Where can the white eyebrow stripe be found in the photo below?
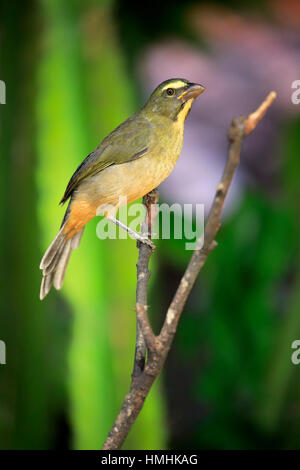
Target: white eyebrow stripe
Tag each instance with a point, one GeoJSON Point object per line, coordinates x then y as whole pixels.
{"type": "Point", "coordinates": [178, 84]}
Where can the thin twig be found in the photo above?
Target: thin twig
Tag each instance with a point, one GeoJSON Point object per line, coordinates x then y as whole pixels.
{"type": "Point", "coordinates": [254, 118]}
{"type": "Point", "coordinates": [158, 346]}
{"type": "Point", "coordinates": [143, 275]}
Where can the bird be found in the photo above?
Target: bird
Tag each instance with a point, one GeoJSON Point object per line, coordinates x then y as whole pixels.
{"type": "Point", "coordinates": [129, 163]}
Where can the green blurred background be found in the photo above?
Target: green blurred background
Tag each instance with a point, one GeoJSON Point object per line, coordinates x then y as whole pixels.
{"type": "Point", "coordinates": [74, 69]}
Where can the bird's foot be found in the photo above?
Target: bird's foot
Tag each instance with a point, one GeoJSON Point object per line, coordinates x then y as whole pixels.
{"type": "Point", "coordinates": [146, 241]}
{"type": "Point", "coordinates": [140, 238]}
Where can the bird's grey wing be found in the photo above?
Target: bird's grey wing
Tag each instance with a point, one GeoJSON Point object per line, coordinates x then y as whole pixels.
{"type": "Point", "coordinates": [127, 142]}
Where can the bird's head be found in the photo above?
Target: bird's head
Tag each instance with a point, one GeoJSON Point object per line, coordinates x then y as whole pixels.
{"type": "Point", "coordinates": [173, 98]}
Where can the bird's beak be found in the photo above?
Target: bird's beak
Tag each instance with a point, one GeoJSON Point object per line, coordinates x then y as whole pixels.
{"type": "Point", "coordinates": [193, 91]}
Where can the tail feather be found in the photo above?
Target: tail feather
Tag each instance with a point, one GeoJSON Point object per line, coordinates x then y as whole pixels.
{"type": "Point", "coordinates": [62, 266]}
{"type": "Point", "coordinates": [46, 285]}
{"type": "Point", "coordinates": [52, 263]}
{"type": "Point", "coordinates": [55, 261]}
{"type": "Point", "coordinates": [76, 240]}
{"type": "Point", "coordinates": [52, 249]}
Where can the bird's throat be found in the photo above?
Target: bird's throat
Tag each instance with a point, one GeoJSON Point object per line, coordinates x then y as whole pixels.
{"type": "Point", "coordinates": [183, 112]}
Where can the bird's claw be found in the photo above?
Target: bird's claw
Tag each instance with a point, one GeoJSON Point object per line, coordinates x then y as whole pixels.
{"type": "Point", "coordinates": [148, 242]}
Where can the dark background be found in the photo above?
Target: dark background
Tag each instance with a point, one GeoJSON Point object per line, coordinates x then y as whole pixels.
{"type": "Point", "coordinates": [73, 71]}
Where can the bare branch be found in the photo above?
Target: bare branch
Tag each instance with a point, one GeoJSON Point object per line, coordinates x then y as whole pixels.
{"type": "Point", "coordinates": [143, 275]}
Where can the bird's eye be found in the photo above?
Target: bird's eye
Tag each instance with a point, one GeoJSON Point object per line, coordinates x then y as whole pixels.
{"type": "Point", "coordinates": [170, 91]}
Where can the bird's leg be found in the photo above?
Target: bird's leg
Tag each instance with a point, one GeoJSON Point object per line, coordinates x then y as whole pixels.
{"type": "Point", "coordinates": [133, 233]}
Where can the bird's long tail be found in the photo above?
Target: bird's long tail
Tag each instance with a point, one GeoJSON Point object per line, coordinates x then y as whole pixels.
{"type": "Point", "coordinates": [55, 261]}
